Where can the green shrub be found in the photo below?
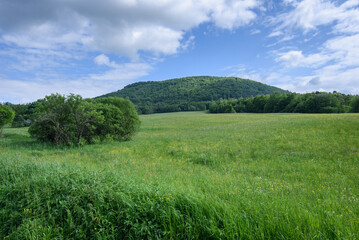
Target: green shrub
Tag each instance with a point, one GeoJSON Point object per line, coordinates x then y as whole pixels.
{"type": "Point", "coordinates": [121, 118]}
{"type": "Point", "coordinates": [72, 120]}
{"type": "Point", "coordinates": [6, 116]}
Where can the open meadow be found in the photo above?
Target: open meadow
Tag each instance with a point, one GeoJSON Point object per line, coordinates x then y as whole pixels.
{"type": "Point", "coordinates": [189, 176]}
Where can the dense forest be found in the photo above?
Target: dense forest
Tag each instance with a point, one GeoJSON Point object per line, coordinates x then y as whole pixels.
{"type": "Point", "coordinates": [317, 102]}
{"type": "Point", "coordinates": [216, 94]}
{"type": "Point", "coordinates": [190, 93]}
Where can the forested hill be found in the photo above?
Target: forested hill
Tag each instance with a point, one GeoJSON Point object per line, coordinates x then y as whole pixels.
{"type": "Point", "coordinates": [190, 93]}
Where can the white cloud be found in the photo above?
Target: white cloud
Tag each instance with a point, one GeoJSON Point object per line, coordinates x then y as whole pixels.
{"type": "Point", "coordinates": [297, 59]}
{"type": "Point", "coordinates": [234, 13]}
{"type": "Point", "coordinates": [122, 72]}
{"type": "Point", "coordinates": [243, 71]}
{"type": "Point", "coordinates": [346, 48]}
{"type": "Point", "coordinates": [255, 31]}
{"type": "Point", "coordinates": [341, 53]}
{"type": "Point", "coordinates": [102, 59]}
{"type": "Point", "coordinates": [119, 72]}
{"type": "Point", "coordinates": [336, 79]}
{"type": "Point", "coordinates": [260, 75]}
{"type": "Point", "coordinates": [275, 34]}
{"type": "Point", "coordinates": [309, 14]}
{"type": "Point", "coordinates": [335, 63]}
{"type": "Point", "coordinates": [92, 85]}
{"type": "Point", "coordinates": [49, 39]}
{"type": "Point", "coordinates": [122, 27]}
{"type": "Point", "coordinates": [290, 2]}
{"type": "Point", "coordinates": [328, 79]}
{"type": "Point", "coordinates": [189, 42]}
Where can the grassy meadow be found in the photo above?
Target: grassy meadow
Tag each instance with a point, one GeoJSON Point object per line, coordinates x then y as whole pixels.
{"type": "Point", "coordinates": [189, 176]}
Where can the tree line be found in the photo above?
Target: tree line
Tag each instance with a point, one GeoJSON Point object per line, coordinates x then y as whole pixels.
{"type": "Point", "coordinates": [316, 102]}
{"type": "Point", "coordinates": [81, 115]}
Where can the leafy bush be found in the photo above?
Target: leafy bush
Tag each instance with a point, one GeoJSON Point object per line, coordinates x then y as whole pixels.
{"type": "Point", "coordinates": [72, 120]}
{"type": "Point", "coordinates": [6, 116]}
{"type": "Point", "coordinates": [121, 118]}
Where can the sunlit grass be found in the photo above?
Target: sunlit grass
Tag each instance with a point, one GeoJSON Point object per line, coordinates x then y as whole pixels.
{"type": "Point", "coordinates": [252, 176]}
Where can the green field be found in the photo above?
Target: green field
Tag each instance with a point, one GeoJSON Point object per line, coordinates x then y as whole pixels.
{"type": "Point", "coordinates": [189, 176]}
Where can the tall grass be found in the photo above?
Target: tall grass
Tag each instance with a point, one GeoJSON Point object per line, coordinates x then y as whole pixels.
{"type": "Point", "coordinates": [189, 176]}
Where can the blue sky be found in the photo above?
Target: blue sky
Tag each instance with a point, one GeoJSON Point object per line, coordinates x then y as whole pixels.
{"type": "Point", "coordinates": [92, 47]}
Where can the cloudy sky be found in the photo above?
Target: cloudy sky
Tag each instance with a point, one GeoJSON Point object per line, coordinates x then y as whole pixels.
{"type": "Point", "coordinates": [92, 47]}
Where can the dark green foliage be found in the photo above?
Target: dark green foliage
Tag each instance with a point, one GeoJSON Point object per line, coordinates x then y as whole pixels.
{"type": "Point", "coordinates": [23, 114]}
{"type": "Point", "coordinates": [277, 102]}
{"type": "Point", "coordinates": [259, 103]}
{"type": "Point", "coordinates": [72, 120]}
{"type": "Point", "coordinates": [355, 105]}
{"type": "Point", "coordinates": [221, 106]}
{"type": "Point", "coordinates": [190, 93]}
{"type": "Point", "coordinates": [6, 116]}
{"type": "Point", "coordinates": [64, 120]}
{"type": "Point", "coordinates": [121, 118]}
{"type": "Point", "coordinates": [318, 102]}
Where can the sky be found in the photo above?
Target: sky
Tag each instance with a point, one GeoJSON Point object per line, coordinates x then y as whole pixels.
{"type": "Point", "coordinates": [92, 47]}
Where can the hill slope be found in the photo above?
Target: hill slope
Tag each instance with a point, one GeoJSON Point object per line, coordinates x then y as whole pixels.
{"type": "Point", "coordinates": [172, 95]}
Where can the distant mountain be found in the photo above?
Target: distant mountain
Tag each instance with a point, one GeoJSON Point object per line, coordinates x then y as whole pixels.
{"type": "Point", "coordinates": [189, 93]}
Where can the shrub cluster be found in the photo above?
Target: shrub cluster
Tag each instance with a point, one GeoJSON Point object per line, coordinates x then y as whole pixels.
{"type": "Point", "coordinates": [6, 116]}
{"type": "Point", "coordinates": [73, 120]}
{"type": "Point", "coordinates": [317, 102]}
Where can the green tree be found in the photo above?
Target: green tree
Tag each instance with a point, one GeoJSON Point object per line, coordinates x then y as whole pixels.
{"type": "Point", "coordinates": [355, 105]}
{"type": "Point", "coordinates": [51, 122]}
{"type": "Point", "coordinates": [121, 118]}
{"type": "Point", "coordinates": [222, 106]}
{"type": "Point", "coordinates": [73, 120]}
{"type": "Point", "coordinates": [259, 103]}
{"type": "Point", "coordinates": [6, 116]}
{"type": "Point", "coordinates": [83, 117]}
{"type": "Point", "coordinates": [64, 120]}
{"type": "Point", "coordinates": [318, 102]}
{"type": "Point", "coordinates": [272, 103]}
